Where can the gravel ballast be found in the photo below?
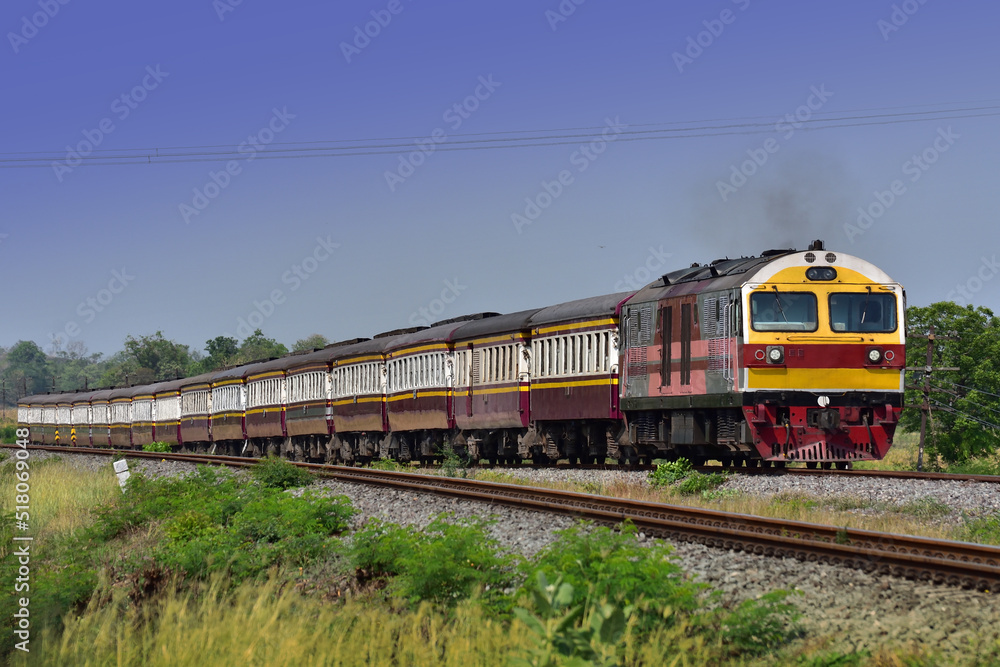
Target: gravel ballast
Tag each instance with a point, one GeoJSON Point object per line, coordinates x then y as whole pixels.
{"type": "Point", "coordinates": [854, 610]}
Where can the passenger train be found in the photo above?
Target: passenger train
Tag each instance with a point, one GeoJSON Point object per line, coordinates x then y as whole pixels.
{"type": "Point", "coordinates": [789, 356]}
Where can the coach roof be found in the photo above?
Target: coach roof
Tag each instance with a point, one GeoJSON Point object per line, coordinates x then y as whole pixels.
{"type": "Point", "coordinates": [500, 324]}
{"type": "Point", "coordinates": [607, 305]}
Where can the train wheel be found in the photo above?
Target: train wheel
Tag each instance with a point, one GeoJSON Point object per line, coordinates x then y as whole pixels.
{"type": "Point", "coordinates": [843, 465]}
{"type": "Point", "coordinates": [811, 465]}
{"type": "Point", "coordinates": [827, 465]}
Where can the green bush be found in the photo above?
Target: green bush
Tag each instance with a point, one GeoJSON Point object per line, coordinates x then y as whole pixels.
{"type": "Point", "coordinates": [605, 564]}
{"type": "Point", "coordinates": [670, 472]}
{"type": "Point", "coordinates": [698, 483]}
{"type": "Point", "coordinates": [8, 434]}
{"type": "Point", "coordinates": [277, 473]}
{"type": "Point", "coordinates": [446, 562]}
{"type": "Point", "coordinates": [217, 522]}
{"type": "Point", "coordinates": [157, 447]}
{"type": "Point", "coordinates": [585, 633]}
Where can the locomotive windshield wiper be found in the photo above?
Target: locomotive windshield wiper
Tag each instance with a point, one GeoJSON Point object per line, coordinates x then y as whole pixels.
{"type": "Point", "coordinates": [777, 300]}
{"type": "Point", "coordinates": [865, 310]}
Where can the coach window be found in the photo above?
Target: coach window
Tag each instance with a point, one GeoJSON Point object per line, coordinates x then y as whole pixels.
{"type": "Point", "coordinates": [782, 311]}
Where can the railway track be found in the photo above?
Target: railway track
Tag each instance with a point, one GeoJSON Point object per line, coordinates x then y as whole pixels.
{"type": "Point", "coordinates": [811, 472]}
{"type": "Point", "coordinates": [940, 561]}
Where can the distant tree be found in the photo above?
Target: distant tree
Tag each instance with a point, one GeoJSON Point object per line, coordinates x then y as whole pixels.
{"type": "Point", "coordinates": [74, 368]}
{"type": "Point", "coordinates": [257, 346]}
{"type": "Point", "coordinates": [965, 403]}
{"type": "Point", "coordinates": [222, 351]}
{"type": "Point", "coordinates": [27, 369]}
{"type": "Point", "coordinates": [310, 342]}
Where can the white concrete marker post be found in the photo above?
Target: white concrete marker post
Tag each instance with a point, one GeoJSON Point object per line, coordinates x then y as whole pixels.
{"type": "Point", "coordinates": [121, 470]}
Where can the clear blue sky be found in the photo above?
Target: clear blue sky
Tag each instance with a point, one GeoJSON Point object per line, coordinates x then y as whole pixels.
{"type": "Point", "coordinates": [349, 252]}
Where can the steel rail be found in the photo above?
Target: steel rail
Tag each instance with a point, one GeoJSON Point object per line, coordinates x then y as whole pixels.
{"type": "Point", "coordinates": [941, 561]}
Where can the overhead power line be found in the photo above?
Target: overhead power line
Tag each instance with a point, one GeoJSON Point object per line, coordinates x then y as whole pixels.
{"type": "Point", "coordinates": [488, 141]}
{"type": "Point", "coordinates": [953, 410]}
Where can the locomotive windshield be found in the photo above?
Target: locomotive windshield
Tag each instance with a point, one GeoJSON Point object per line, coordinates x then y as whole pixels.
{"type": "Point", "coordinates": [783, 311]}
{"type": "Point", "coordinates": [859, 312]}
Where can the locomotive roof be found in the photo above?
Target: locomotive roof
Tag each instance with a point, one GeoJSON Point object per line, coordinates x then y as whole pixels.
{"type": "Point", "coordinates": [607, 305]}
{"type": "Point", "coordinates": [724, 274]}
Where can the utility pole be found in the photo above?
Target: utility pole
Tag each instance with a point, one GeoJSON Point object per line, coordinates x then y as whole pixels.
{"type": "Point", "coordinates": [925, 405]}
{"type": "Point", "coordinates": [3, 401]}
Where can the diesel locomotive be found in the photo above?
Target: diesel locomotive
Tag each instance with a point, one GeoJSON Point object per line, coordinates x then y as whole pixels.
{"type": "Point", "coordinates": [789, 356]}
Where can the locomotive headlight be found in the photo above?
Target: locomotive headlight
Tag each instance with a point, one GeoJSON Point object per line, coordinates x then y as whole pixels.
{"type": "Point", "coordinates": [775, 354]}
{"type": "Point", "coordinates": [874, 355]}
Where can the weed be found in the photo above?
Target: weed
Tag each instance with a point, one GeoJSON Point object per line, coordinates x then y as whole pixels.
{"type": "Point", "coordinates": [161, 447]}
{"type": "Point", "coordinates": [980, 529]}
{"type": "Point", "coordinates": [849, 503]}
{"type": "Point", "coordinates": [697, 483]}
{"type": "Point", "coordinates": [756, 626]}
{"type": "Point", "coordinates": [794, 502]}
{"type": "Point", "coordinates": [604, 564]}
{"type": "Point", "coordinates": [560, 628]}
{"type": "Point", "coordinates": [446, 562]}
{"type": "Point", "coordinates": [925, 508]}
{"type": "Point", "coordinates": [452, 462]}
{"type": "Point", "coordinates": [721, 494]}
{"type": "Point", "coordinates": [978, 466]}
{"type": "Point", "coordinates": [388, 465]}
{"type": "Point", "coordinates": [277, 473]}
{"type": "Point", "coordinates": [670, 472]}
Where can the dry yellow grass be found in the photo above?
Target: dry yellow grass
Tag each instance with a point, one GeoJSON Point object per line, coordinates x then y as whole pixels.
{"type": "Point", "coordinates": [61, 496]}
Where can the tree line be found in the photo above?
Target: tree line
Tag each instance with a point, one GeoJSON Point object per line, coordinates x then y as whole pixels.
{"type": "Point", "coordinates": [26, 369]}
